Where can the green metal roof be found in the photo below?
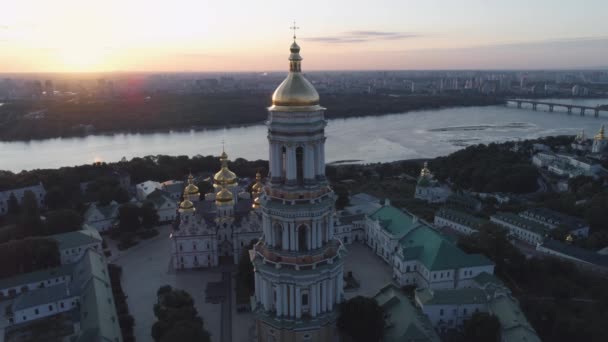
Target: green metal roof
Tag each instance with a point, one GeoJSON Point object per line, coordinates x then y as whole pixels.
{"type": "Point", "coordinates": [461, 217]}
{"type": "Point", "coordinates": [514, 325]}
{"type": "Point", "coordinates": [405, 321]}
{"type": "Point", "coordinates": [37, 276]}
{"type": "Point", "coordinates": [470, 295]}
{"type": "Point", "coordinates": [394, 221]}
{"type": "Point", "coordinates": [77, 238]}
{"type": "Point", "coordinates": [41, 296]}
{"type": "Point", "coordinates": [436, 252]}
{"type": "Point", "coordinates": [522, 223]}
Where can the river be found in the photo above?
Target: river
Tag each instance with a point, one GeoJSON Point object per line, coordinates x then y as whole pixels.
{"type": "Point", "coordinates": [417, 134]}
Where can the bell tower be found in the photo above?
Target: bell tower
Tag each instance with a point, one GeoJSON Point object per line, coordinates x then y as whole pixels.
{"type": "Point", "coordinates": [298, 262]}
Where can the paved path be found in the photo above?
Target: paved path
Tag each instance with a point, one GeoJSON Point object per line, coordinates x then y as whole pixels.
{"type": "Point", "coordinates": [226, 320]}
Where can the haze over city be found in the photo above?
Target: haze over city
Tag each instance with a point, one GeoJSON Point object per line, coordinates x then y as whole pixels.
{"type": "Point", "coordinates": [185, 35]}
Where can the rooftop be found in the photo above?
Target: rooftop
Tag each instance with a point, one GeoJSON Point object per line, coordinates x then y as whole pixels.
{"type": "Point", "coordinates": [522, 223]}
{"type": "Point", "coordinates": [405, 321]}
{"type": "Point", "coordinates": [395, 221]}
{"type": "Point", "coordinates": [469, 295]}
{"type": "Point", "coordinates": [77, 238]}
{"type": "Point", "coordinates": [461, 217]}
{"type": "Point", "coordinates": [436, 252]}
{"type": "Point", "coordinates": [576, 252]}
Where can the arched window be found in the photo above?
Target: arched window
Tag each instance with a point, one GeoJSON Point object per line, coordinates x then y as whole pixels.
{"type": "Point", "coordinates": [300, 165]}
{"type": "Point", "coordinates": [278, 235]}
{"type": "Point", "coordinates": [303, 238]}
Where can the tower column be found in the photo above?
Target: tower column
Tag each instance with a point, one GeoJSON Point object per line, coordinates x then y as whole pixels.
{"type": "Point", "coordinates": [330, 227]}
{"type": "Point", "coordinates": [317, 156]}
{"type": "Point", "coordinates": [318, 297]}
{"type": "Point", "coordinates": [291, 164]}
{"type": "Point", "coordinates": [309, 167]}
{"type": "Point", "coordinates": [286, 235]}
{"type": "Point", "coordinates": [309, 238]}
{"type": "Point", "coordinates": [292, 306]}
{"type": "Point", "coordinates": [340, 286]}
{"type": "Point", "coordinates": [319, 234]}
{"type": "Point", "coordinates": [298, 303]}
{"type": "Point", "coordinates": [279, 301]}
{"type": "Point", "coordinates": [285, 300]}
{"type": "Point", "coordinates": [313, 228]}
{"type": "Point", "coordinates": [324, 296]}
{"type": "Point", "coordinates": [330, 289]}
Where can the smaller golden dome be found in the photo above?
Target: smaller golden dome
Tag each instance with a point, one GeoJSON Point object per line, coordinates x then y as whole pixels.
{"type": "Point", "coordinates": [224, 175]}
{"type": "Point", "coordinates": [600, 134]}
{"type": "Point", "coordinates": [186, 205]}
{"type": "Point", "coordinates": [256, 203]}
{"type": "Point", "coordinates": [257, 187]}
{"type": "Point", "coordinates": [224, 197]}
{"type": "Point", "coordinates": [191, 189]}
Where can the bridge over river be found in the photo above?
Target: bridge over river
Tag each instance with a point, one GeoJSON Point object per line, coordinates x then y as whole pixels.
{"type": "Point", "coordinates": [551, 105]}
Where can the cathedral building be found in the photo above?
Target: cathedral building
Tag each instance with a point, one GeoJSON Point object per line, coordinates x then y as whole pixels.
{"type": "Point", "coordinates": [219, 226]}
{"type": "Point", "coordinates": [429, 189]}
{"type": "Point", "coordinates": [298, 262]}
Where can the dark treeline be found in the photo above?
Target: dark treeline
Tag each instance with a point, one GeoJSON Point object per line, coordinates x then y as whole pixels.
{"type": "Point", "coordinates": [28, 255]}
{"type": "Point", "coordinates": [63, 184]}
{"type": "Point", "coordinates": [169, 111]}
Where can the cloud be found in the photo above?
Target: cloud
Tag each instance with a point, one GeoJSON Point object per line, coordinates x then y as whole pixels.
{"type": "Point", "coordinates": [362, 37]}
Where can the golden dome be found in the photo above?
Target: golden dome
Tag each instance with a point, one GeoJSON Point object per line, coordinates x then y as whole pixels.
{"type": "Point", "coordinates": [224, 175]}
{"type": "Point", "coordinates": [600, 134]}
{"type": "Point", "coordinates": [295, 90]}
{"type": "Point", "coordinates": [256, 203]}
{"type": "Point", "coordinates": [186, 205]}
{"type": "Point", "coordinates": [191, 189]}
{"type": "Point", "coordinates": [257, 187]}
{"type": "Point", "coordinates": [224, 196]}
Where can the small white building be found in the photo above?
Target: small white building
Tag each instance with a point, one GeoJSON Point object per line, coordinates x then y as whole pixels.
{"type": "Point", "coordinates": [174, 188]}
{"type": "Point", "coordinates": [142, 190]}
{"type": "Point", "coordinates": [38, 190]}
{"type": "Point", "coordinates": [101, 218]}
{"type": "Point", "coordinates": [165, 205]}
{"type": "Point", "coordinates": [458, 220]}
{"type": "Point", "coordinates": [73, 245]}
{"type": "Point", "coordinates": [553, 219]}
{"type": "Point", "coordinates": [521, 228]}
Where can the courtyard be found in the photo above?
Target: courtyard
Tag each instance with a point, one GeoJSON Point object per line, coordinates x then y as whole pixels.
{"type": "Point", "coordinates": [146, 267]}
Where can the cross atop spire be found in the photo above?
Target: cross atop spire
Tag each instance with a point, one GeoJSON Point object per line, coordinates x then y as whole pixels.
{"type": "Point", "coordinates": [294, 28]}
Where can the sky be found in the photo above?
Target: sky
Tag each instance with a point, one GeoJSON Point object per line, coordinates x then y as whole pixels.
{"type": "Point", "coordinates": [254, 35]}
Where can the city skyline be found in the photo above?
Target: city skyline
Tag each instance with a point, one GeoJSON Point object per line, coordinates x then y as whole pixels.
{"type": "Point", "coordinates": [71, 36]}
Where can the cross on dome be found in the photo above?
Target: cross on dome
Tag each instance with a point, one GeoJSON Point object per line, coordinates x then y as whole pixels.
{"type": "Point", "coordinates": [294, 28]}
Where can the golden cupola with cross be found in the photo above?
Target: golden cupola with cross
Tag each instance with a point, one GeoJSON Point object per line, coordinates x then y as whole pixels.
{"type": "Point", "coordinates": [191, 192]}
{"type": "Point", "coordinates": [224, 175]}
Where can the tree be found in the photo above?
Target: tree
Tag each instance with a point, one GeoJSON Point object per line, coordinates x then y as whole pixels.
{"type": "Point", "coordinates": [29, 222]}
{"type": "Point", "coordinates": [178, 320]}
{"type": "Point", "coordinates": [149, 215]}
{"type": "Point", "coordinates": [128, 218]}
{"type": "Point", "coordinates": [13, 205]}
{"type": "Point", "coordinates": [55, 198]}
{"type": "Point", "coordinates": [481, 327]}
{"type": "Point", "coordinates": [204, 187]}
{"type": "Point", "coordinates": [342, 192]}
{"type": "Point", "coordinates": [362, 319]}
{"type": "Point", "coordinates": [63, 221]}
{"type": "Point", "coordinates": [28, 255]}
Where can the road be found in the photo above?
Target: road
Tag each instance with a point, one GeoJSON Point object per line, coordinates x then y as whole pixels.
{"type": "Point", "coordinates": [226, 311]}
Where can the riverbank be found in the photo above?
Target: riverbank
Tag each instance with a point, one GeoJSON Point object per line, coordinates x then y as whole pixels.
{"type": "Point", "coordinates": [36, 120]}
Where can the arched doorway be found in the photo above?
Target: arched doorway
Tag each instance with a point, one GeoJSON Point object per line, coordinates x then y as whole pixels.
{"type": "Point", "coordinates": [303, 238]}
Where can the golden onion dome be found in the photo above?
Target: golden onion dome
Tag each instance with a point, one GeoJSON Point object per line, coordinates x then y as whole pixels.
{"type": "Point", "coordinates": [223, 197]}
{"type": "Point", "coordinates": [186, 205]}
{"type": "Point", "coordinates": [295, 90]}
{"type": "Point", "coordinates": [224, 175]}
{"type": "Point", "coordinates": [256, 203]}
{"type": "Point", "coordinates": [257, 187]}
{"type": "Point", "coordinates": [191, 189]}
{"type": "Point", "coordinates": [600, 134]}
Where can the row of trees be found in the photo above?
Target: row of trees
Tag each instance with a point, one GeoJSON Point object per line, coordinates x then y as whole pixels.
{"type": "Point", "coordinates": [562, 302]}
{"type": "Point", "coordinates": [177, 318]}
{"type": "Point", "coordinates": [125, 320]}
{"type": "Point", "coordinates": [28, 255]}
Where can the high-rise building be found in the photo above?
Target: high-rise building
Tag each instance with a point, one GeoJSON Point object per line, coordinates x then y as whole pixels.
{"type": "Point", "coordinates": [298, 262]}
